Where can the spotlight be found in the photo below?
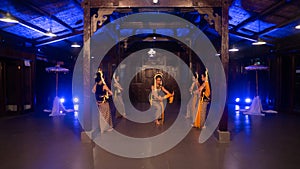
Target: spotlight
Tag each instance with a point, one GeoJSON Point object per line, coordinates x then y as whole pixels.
{"type": "Point", "coordinates": [237, 107]}
{"type": "Point", "coordinates": [155, 1]}
{"type": "Point", "coordinates": [233, 49]}
{"type": "Point", "coordinates": [75, 100]}
{"type": "Point", "coordinates": [237, 100]}
{"type": "Point", "coordinates": [75, 45]}
{"type": "Point", "coordinates": [247, 107]}
{"type": "Point", "coordinates": [9, 19]}
{"type": "Point", "coordinates": [259, 42]}
{"type": "Point", "coordinates": [62, 100]}
{"type": "Point", "coordinates": [248, 100]}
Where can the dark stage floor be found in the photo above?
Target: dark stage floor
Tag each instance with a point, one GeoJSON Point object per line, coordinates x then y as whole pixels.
{"type": "Point", "coordinates": [36, 141]}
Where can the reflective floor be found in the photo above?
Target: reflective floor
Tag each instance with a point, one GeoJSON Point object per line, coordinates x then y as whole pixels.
{"type": "Point", "coordinates": [36, 141]}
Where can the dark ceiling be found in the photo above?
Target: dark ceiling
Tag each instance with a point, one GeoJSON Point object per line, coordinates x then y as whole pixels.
{"type": "Point", "coordinates": [271, 20]}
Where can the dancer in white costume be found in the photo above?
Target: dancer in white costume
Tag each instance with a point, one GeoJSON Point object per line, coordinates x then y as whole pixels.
{"type": "Point", "coordinates": [117, 97]}
{"type": "Point", "coordinates": [158, 94]}
{"type": "Point", "coordinates": [192, 104]}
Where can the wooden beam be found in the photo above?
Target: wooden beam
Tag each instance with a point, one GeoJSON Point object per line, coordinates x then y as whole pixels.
{"type": "Point", "coordinates": [295, 18]}
{"type": "Point", "coordinates": [45, 13]}
{"type": "Point", "coordinates": [27, 24]}
{"type": "Point", "coordinates": [240, 35]}
{"type": "Point", "coordinates": [260, 15]}
{"type": "Point", "coordinates": [77, 4]}
{"type": "Point", "coordinates": [58, 38]}
{"type": "Point", "coordinates": [149, 3]}
{"type": "Point", "coordinates": [13, 36]}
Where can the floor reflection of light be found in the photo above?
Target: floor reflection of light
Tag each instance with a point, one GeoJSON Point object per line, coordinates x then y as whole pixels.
{"type": "Point", "coordinates": [237, 107]}
{"type": "Point", "coordinates": [237, 121]}
{"type": "Point", "coordinates": [247, 121]}
{"type": "Point", "coordinates": [247, 125]}
{"type": "Point", "coordinates": [76, 114]}
{"type": "Point", "coordinates": [76, 107]}
{"type": "Point", "coordinates": [237, 114]}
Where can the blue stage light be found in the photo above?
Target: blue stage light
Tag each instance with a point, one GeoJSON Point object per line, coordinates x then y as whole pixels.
{"type": "Point", "coordinates": [62, 100]}
{"type": "Point", "coordinates": [237, 107]}
{"type": "Point", "coordinates": [237, 100]}
{"type": "Point", "coordinates": [248, 100]}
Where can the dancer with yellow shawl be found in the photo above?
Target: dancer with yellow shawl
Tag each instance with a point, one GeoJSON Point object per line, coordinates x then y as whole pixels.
{"type": "Point", "coordinates": [204, 91]}
{"type": "Point", "coordinates": [158, 94]}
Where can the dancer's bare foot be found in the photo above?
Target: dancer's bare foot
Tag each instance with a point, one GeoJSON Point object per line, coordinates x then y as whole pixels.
{"type": "Point", "coordinates": [157, 122]}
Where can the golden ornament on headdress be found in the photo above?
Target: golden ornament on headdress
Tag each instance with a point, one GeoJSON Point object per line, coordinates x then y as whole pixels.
{"type": "Point", "coordinates": [106, 96]}
{"type": "Point", "coordinates": [206, 74]}
{"type": "Point", "coordinates": [154, 78]}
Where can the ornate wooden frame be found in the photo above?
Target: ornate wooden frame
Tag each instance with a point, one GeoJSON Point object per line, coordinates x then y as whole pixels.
{"type": "Point", "coordinates": [106, 7]}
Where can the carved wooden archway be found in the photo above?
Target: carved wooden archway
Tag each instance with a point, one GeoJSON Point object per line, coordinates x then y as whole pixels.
{"type": "Point", "coordinates": [106, 7]}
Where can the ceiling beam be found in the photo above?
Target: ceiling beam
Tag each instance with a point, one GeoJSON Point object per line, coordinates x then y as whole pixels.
{"type": "Point", "coordinates": [10, 35]}
{"type": "Point", "coordinates": [242, 36]}
{"type": "Point", "coordinates": [45, 13]}
{"type": "Point", "coordinates": [269, 10]}
{"type": "Point", "coordinates": [77, 4]}
{"type": "Point", "coordinates": [59, 38]}
{"type": "Point", "coordinates": [295, 18]}
{"type": "Point", "coordinates": [143, 3]}
{"type": "Point", "coordinates": [27, 24]}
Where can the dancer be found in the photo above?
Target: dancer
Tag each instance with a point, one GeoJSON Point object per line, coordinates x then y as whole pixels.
{"type": "Point", "coordinates": [158, 94]}
{"type": "Point", "coordinates": [204, 100]}
{"type": "Point", "coordinates": [102, 93]}
{"type": "Point", "coordinates": [118, 100]}
{"type": "Point", "coordinates": [191, 106]}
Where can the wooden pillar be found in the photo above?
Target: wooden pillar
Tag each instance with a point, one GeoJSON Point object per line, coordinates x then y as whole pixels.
{"type": "Point", "coordinates": [87, 115]}
{"type": "Point", "coordinates": [293, 82]}
{"type": "Point", "coordinates": [91, 24]}
{"type": "Point", "coordinates": [223, 133]}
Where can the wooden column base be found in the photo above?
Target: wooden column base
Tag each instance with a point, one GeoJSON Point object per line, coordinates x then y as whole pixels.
{"type": "Point", "coordinates": [85, 137]}
{"type": "Point", "coordinates": [223, 136]}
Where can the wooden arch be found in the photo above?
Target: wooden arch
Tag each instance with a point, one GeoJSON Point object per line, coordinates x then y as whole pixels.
{"type": "Point", "coordinates": [106, 7]}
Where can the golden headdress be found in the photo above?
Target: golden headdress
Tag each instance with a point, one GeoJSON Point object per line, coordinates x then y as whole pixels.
{"type": "Point", "coordinates": [169, 96]}
{"type": "Point", "coordinates": [100, 73]}
{"type": "Point", "coordinates": [206, 74]}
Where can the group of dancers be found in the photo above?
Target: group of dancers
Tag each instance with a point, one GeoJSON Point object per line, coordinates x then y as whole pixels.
{"type": "Point", "coordinates": [196, 108]}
